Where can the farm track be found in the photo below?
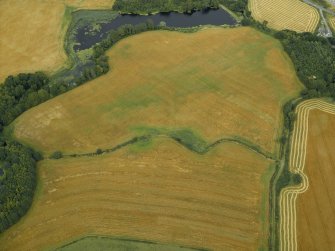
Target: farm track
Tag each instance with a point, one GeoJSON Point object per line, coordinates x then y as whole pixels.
{"type": "Point", "coordinates": [288, 196]}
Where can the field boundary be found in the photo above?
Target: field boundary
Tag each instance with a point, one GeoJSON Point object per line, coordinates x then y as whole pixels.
{"type": "Point", "coordinates": [288, 195]}
{"type": "Point", "coordinates": [190, 144]}
{"type": "Point", "coordinates": [123, 239]}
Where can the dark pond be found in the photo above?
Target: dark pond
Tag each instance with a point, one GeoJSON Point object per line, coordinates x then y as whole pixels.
{"type": "Point", "coordinates": [172, 19]}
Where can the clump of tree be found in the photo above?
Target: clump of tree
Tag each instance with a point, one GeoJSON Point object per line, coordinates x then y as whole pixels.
{"type": "Point", "coordinates": [21, 92]}
{"type": "Point", "coordinates": [314, 61]}
{"type": "Point", "coordinates": [18, 94]}
{"type": "Point", "coordinates": [313, 58]}
{"type": "Point", "coordinates": [18, 185]}
{"type": "Point", "coordinates": [56, 155]}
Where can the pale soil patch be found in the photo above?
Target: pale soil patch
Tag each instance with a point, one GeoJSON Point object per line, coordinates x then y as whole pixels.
{"type": "Point", "coordinates": [32, 34]}
{"type": "Point", "coordinates": [285, 14]}
{"type": "Point", "coordinates": [217, 82]}
{"type": "Point", "coordinates": [316, 207]}
{"type": "Point", "coordinates": [165, 194]}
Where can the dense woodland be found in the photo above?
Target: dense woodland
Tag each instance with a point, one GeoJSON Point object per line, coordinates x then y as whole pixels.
{"type": "Point", "coordinates": [151, 6]}
{"type": "Point", "coordinates": [19, 93]}
{"type": "Point", "coordinates": [314, 60]}
{"type": "Point", "coordinates": [18, 183]}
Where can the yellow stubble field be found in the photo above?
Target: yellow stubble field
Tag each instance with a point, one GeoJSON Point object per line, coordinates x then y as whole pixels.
{"type": "Point", "coordinates": [234, 87]}
{"type": "Point", "coordinates": [316, 206]}
{"type": "Point", "coordinates": [285, 14]}
{"type": "Point", "coordinates": [165, 194]}
{"type": "Point", "coordinates": [32, 33]}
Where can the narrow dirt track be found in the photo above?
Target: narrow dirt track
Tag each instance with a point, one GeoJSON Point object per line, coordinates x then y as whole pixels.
{"type": "Point", "coordinates": [288, 196]}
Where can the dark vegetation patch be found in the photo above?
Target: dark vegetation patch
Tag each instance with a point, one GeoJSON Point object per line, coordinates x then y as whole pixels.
{"type": "Point", "coordinates": [154, 6]}
{"type": "Point", "coordinates": [185, 137]}
{"type": "Point", "coordinates": [18, 184]}
{"type": "Point", "coordinates": [108, 243]}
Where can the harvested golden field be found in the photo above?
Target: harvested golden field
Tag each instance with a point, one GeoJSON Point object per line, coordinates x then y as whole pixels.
{"type": "Point", "coordinates": [234, 87]}
{"type": "Point", "coordinates": [302, 142]}
{"type": "Point", "coordinates": [285, 14]}
{"type": "Point", "coordinates": [316, 206]}
{"type": "Point", "coordinates": [163, 193]}
{"type": "Point", "coordinates": [32, 34]}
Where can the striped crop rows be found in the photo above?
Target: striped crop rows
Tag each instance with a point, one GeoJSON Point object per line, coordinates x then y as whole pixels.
{"type": "Point", "coordinates": [288, 196]}
{"type": "Point", "coordinates": [285, 14]}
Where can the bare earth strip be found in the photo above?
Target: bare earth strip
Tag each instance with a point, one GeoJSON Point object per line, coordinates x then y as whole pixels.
{"type": "Point", "coordinates": [166, 194]}
{"type": "Point", "coordinates": [285, 14]}
{"type": "Point", "coordinates": [288, 196]}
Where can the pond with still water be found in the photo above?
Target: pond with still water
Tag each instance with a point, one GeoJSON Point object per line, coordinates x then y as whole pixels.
{"type": "Point", "coordinates": [87, 39]}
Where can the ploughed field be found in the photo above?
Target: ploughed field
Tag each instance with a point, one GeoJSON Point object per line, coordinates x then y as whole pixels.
{"type": "Point", "coordinates": [285, 14]}
{"type": "Point", "coordinates": [32, 33]}
{"type": "Point", "coordinates": [218, 82]}
{"type": "Point", "coordinates": [316, 206]}
{"type": "Point", "coordinates": [163, 193]}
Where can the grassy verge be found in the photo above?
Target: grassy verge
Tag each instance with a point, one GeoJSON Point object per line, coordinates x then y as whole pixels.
{"type": "Point", "coordinates": [237, 17]}
{"type": "Point", "coordinates": [282, 176]}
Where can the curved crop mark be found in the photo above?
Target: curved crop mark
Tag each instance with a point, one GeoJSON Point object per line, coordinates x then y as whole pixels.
{"type": "Point", "coordinates": [288, 196]}
{"type": "Point", "coordinates": [185, 138]}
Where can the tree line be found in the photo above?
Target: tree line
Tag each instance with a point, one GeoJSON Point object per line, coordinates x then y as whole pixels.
{"type": "Point", "coordinates": [151, 6]}
{"type": "Point", "coordinates": [18, 182]}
